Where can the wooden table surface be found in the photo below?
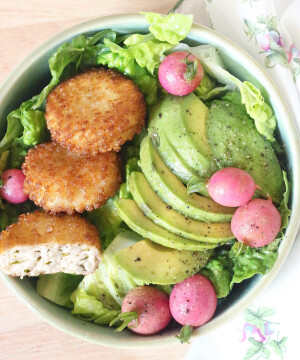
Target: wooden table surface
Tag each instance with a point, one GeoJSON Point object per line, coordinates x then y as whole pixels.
{"type": "Point", "coordinates": [23, 26]}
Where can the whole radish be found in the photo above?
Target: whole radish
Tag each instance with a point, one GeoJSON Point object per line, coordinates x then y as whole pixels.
{"type": "Point", "coordinates": [180, 73]}
{"type": "Point", "coordinates": [152, 307]}
{"type": "Point", "coordinates": [231, 187]}
{"type": "Point", "coordinates": [193, 301]}
{"type": "Point", "coordinates": [12, 189]}
{"type": "Point", "coordinates": [257, 223]}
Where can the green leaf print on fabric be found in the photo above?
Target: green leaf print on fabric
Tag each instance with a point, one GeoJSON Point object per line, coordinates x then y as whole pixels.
{"type": "Point", "coordinates": [250, 2]}
{"type": "Point", "coordinates": [265, 31]}
{"type": "Point", "coordinates": [260, 332]}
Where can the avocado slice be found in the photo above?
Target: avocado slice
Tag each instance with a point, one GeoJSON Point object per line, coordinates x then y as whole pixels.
{"type": "Point", "coordinates": [174, 265]}
{"type": "Point", "coordinates": [183, 121]}
{"type": "Point", "coordinates": [174, 193]}
{"type": "Point", "coordinates": [167, 151]}
{"type": "Point", "coordinates": [138, 222]}
{"type": "Point", "coordinates": [156, 210]}
{"type": "Point", "coordinates": [235, 142]}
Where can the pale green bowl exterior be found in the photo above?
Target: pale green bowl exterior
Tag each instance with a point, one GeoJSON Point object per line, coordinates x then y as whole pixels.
{"type": "Point", "coordinates": [30, 77]}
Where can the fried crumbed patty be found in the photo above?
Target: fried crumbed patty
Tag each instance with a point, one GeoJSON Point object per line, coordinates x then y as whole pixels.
{"type": "Point", "coordinates": [95, 111]}
{"type": "Point", "coordinates": [41, 243]}
{"type": "Point", "coordinates": [60, 180]}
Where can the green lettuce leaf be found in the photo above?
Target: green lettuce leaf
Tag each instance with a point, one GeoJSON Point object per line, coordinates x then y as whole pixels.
{"type": "Point", "coordinates": [10, 213]}
{"type": "Point", "coordinates": [81, 53]}
{"type": "Point", "coordinates": [3, 161]}
{"type": "Point", "coordinates": [25, 128]}
{"type": "Point", "coordinates": [256, 107]}
{"type": "Point", "coordinates": [132, 165]}
{"type": "Point", "coordinates": [89, 308]}
{"type": "Point", "coordinates": [171, 28]}
{"type": "Point", "coordinates": [14, 130]}
{"type": "Point", "coordinates": [249, 261]}
{"type": "Point", "coordinates": [284, 210]}
{"type": "Point", "coordinates": [107, 221]}
{"type": "Point", "coordinates": [127, 65]}
{"type": "Point", "coordinates": [209, 89]}
{"type": "Point", "coordinates": [165, 288]}
{"type": "Point", "coordinates": [34, 123]}
{"type": "Point", "coordinates": [146, 50]}
{"type": "Point", "coordinates": [219, 271]}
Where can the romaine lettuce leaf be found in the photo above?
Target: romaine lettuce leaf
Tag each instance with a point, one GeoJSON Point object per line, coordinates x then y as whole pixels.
{"type": "Point", "coordinates": [171, 28]}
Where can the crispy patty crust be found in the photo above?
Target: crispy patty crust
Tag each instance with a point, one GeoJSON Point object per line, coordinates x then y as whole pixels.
{"type": "Point", "coordinates": [62, 181]}
{"type": "Point", "coordinates": [42, 243]}
{"type": "Point", "coordinates": [95, 111]}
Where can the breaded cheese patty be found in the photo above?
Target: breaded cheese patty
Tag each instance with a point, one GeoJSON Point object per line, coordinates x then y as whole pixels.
{"type": "Point", "coordinates": [95, 111]}
{"type": "Point", "coordinates": [59, 180]}
{"type": "Point", "coordinates": [42, 243]}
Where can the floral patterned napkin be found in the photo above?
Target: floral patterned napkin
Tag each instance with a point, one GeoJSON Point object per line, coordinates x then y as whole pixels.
{"type": "Point", "coordinates": [272, 40]}
{"type": "Point", "coordinates": [270, 31]}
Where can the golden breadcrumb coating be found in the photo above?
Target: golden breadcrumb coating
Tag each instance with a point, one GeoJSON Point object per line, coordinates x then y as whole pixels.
{"type": "Point", "coordinates": [62, 181]}
{"type": "Point", "coordinates": [95, 111]}
{"type": "Point", "coordinates": [42, 228]}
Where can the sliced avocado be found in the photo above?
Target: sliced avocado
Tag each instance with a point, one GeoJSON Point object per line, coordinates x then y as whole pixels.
{"type": "Point", "coordinates": [156, 210]}
{"type": "Point", "coordinates": [183, 121]}
{"type": "Point", "coordinates": [174, 265]}
{"type": "Point", "coordinates": [174, 193]}
{"type": "Point", "coordinates": [236, 142]}
{"type": "Point", "coordinates": [138, 222]}
{"type": "Point", "coordinates": [167, 151]}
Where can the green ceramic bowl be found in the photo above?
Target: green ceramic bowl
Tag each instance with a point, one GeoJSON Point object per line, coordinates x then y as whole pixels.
{"type": "Point", "coordinates": [29, 78]}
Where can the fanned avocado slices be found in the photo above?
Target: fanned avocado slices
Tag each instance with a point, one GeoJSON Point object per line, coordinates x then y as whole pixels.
{"type": "Point", "coordinates": [174, 193]}
{"type": "Point", "coordinates": [174, 265]}
{"type": "Point", "coordinates": [167, 151]}
{"type": "Point", "coordinates": [156, 210]}
{"type": "Point", "coordinates": [138, 222]}
{"type": "Point", "coordinates": [235, 141]}
{"type": "Point", "coordinates": [182, 120]}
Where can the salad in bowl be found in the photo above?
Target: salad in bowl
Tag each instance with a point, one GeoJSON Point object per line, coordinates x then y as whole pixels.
{"type": "Point", "coordinates": [145, 185]}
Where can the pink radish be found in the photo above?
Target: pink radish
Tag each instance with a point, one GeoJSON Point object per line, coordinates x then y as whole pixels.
{"type": "Point", "coordinates": [12, 190]}
{"type": "Point", "coordinates": [180, 73]}
{"type": "Point", "coordinates": [257, 223]}
{"type": "Point", "coordinates": [152, 307]}
{"type": "Point", "coordinates": [193, 301]}
{"type": "Point", "coordinates": [231, 187]}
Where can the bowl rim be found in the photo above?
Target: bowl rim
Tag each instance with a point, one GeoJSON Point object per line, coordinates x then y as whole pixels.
{"type": "Point", "coordinates": [197, 30]}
